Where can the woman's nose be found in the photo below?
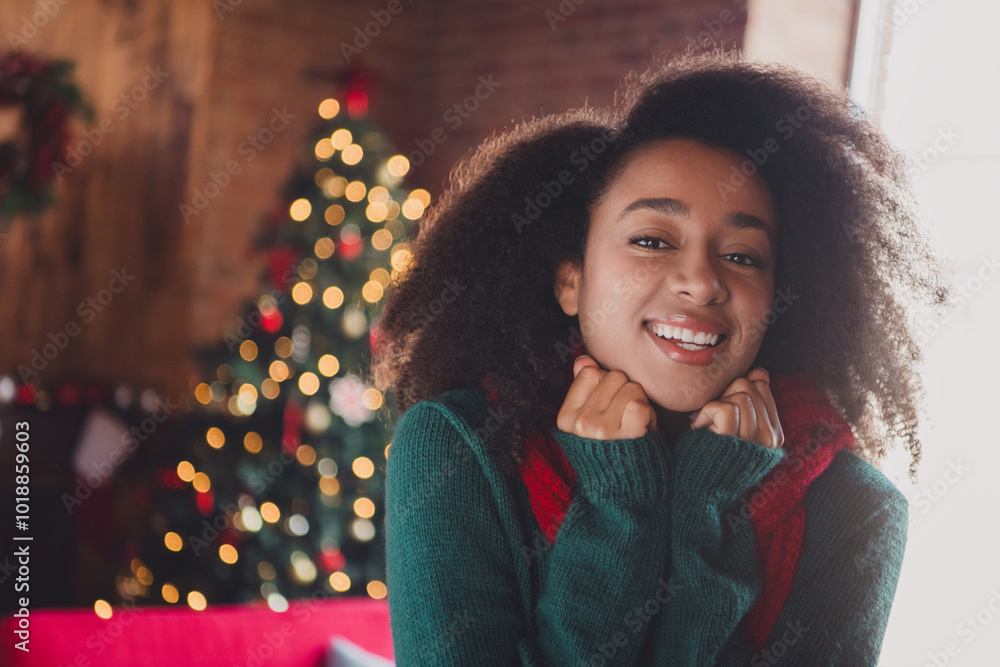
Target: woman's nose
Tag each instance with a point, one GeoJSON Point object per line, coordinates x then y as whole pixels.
{"type": "Point", "coordinates": [697, 277]}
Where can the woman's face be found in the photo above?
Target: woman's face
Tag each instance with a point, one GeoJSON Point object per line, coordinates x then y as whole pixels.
{"type": "Point", "coordinates": [678, 274]}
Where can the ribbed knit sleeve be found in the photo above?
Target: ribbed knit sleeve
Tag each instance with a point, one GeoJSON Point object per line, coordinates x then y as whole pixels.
{"type": "Point", "coordinates": [604, 585]}
{"type": "Point", "coordinates": [450, 565]}
{"type": "Point", "coordinates": [712, 557]}
{"type": "Point", "coordinates": [837, 611]}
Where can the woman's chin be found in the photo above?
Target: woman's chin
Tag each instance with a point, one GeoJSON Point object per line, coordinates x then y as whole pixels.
{"type": "Point", "coordinates": [682, 404]}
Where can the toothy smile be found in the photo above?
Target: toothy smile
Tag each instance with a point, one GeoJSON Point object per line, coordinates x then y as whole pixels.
{"type": "Point", "coordinates": [687, 339]}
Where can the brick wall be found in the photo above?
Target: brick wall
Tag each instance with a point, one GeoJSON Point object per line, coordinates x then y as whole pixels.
{"type": "Point", "coordinates": [243, 59]}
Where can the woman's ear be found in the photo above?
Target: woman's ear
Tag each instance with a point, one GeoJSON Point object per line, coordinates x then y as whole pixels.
{"type": "Point", "coordinates": [567, 286]}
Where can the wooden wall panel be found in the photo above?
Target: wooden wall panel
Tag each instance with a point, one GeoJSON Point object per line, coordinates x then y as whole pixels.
{"type": "Point", "coordinates": [143, 66]}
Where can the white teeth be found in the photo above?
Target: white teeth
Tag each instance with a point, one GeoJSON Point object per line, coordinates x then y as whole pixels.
{"type": "Point", "coordinates": [698, 339]}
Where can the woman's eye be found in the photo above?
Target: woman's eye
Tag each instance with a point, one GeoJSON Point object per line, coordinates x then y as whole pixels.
{"type": "Point", "coordinates": [743, 259]}
{"type": "Point", "coordinates": [643, 240]}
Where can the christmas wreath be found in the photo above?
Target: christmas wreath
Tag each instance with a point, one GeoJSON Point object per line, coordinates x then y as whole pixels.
{"type": "Point", "coordinates": [36, 102]}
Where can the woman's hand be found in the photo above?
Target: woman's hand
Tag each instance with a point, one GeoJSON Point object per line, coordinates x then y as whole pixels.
{"type": "Point", "coordinates": [745, 409]}
{"type": "Point", "coordinates": [604, 405]}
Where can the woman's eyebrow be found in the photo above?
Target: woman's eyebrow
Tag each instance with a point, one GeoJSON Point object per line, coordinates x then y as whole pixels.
{"type": "Point", "coordinates": [670, 206]}
{"type": "Point", "coordinates": [664, 205]}
{"type": "Point", "coordinates": [741, 220]}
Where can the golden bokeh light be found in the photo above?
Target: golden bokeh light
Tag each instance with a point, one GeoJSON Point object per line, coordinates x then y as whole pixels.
{"type": "Point", "coordinates": [376, 212]}
{"type": "Point", "coordinates": [305, 455]}
{"type": "Point", "coordinates": [333, 297]}
{"type": "Point", "coordinates": [328, 365]}
{"type": "Point", "coordinates": [324, 247]}
{"type": "Point", "coordinates": [324, 149]}
{"type": "Point", "coordinates": [336, 186]}
{"type": "Point", "coordinates": [334, 214]}
{"type": "Point", "coordinates": [398, 165]}
{"type": "Point", "coordinates": [201, 482]}
{"type": "Point", "coordinates": [412, 209]}
{"type": "Point", "coordinates": [355, 191]}
{"type": "Point", "coordinates": [352, 154]}
{"type": "Point", "coordinates": [300, 209]}
{"type": "Point", "coordinates": [381, 240]}
{"type": "Point", "coordinates": [169, 593]}
{"type": "Point", "coordinates": [283, 347]}
{"type": "Point", "coordinates": [329, 486]}
{"type": "Point", "coordinates": [278, 370]}
{"type": "Point", "coordinates": [102, 608]}
{"type": "Point", "coordinates": [364, 508]}
{"type": "Point", "coordinates": [248, 350]}
{"type": "Point", "coordinates": [340, 582]}
{"type": "Point", "coordinates": [270, 389]}
{"type": "Point", "coordinates": [341, 139]}
{"type": "Point", "coordinates": [302, 293]}
{"type": "Point", "coordinates": [308, 383]}
{"type": "Point", "coordinates": [307, 268]}
{"type": "Point", "coordinates": [401, 257]}
{"type": "Point", "coordinates": [215, 437]}
{"type": "Point", "coordinates": [363, 467]}
{"type": "Point", "coordinates": [377, 590]}
{"type": "Point", "coordinates": [197, 601]}
{"type": "Point", "coordinates": [372, 291]}
{"type": "Point", "coordinates": [203, 393]}
{"type": "Point", "coordinates": [185, 471]}
{"type": "Point", "coordinates": [248, 393]}
{"type": "Point", "coordinates": [270, 512]}
{"type": "Point", "coordinates": [173, 541]}
{"type": "Point", "coordinates": [228, 554]}
{"type": "Point", "coordinates": [252, 442]}
{"type": "Point", "coordinates": [372, 398]}
{"type": "Point", "coordinates": [421, 196]}
{"type": "Point", "coordinates": [329, 108]}
{"type": "Point", "coordinates": [378, 195]}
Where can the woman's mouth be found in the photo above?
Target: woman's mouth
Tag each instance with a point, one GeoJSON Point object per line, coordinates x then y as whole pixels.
{"type": "Point", "coordinates": [687, 346]}
{"type": "Point", "coordinates": [686, 339]}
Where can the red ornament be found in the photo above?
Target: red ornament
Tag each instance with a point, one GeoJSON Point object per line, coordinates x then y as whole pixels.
{"type": "Point", "coordinates": [292, 436]}
{"type": "Point", "coordinates": [205, 500]}
{"type": "Point", "coordinates": [273, 321]}
{"type": "Point", "coordinates": [170, 479]}
{"type": "Point", "coordinates": [280, 261]}
{"type": "Point", "coordinates": [26, 394]}
{"type": "Point", "coordinates": [332, 559]}
{"type": "Point", "coordinates": [68, 394]}
{"type": "Point", "coordinates": [350, 249]}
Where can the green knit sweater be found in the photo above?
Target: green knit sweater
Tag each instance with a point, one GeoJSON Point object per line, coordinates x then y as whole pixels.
{"type": "Point", "coordinates": [654, 563]}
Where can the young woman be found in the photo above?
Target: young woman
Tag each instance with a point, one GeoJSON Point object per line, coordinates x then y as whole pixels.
{"type": "Point", "coordinates": [648, 358]}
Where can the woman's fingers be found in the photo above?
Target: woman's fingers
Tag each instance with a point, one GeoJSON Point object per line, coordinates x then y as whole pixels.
{"type": "Point", "coordinates": [604, 405]}
{"type": "Point", "coordinates": [745, 409]}
{"type": "Point", "coordinates": [773, 423]}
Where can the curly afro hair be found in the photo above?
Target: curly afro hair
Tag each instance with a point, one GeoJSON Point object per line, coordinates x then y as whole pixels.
{"type": "Point", "coordinates": [477, 302]}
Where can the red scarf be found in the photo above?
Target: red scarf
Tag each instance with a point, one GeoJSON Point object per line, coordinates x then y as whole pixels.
{"type": "Point", "coordinates": [814, 433]}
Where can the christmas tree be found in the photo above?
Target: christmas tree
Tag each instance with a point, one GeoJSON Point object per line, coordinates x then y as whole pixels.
{"type": "Point", "coordinates": [274, 486]}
